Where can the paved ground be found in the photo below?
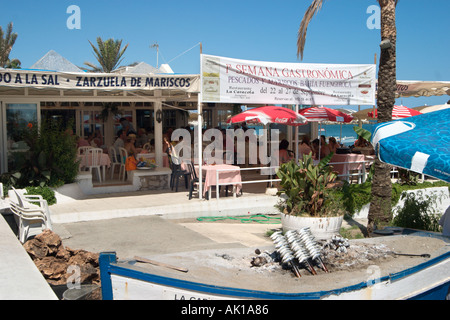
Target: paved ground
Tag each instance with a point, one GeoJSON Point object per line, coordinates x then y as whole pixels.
{"type": "Point", "coordinates": [153, 235]}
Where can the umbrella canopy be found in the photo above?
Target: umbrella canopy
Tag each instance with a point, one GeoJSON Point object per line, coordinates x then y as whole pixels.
{"type": "Point", "coordinates": [319, 114]}
{"type": "Point", "coordinates": [420, 144]}
{"type": "Point", "coordinates": [269, 114]}
{"type": "Point", "coordinates": [426, 109]}
{"type": "Point", "coordinates": [399, 112]}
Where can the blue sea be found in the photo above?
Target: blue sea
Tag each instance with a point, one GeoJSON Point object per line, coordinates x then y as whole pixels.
{"type": "Point", "coordinates": [348, 134]}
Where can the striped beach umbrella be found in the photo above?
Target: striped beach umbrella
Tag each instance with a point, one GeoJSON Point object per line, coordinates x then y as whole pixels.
{"type": "Point", "coordinates": [398, 112]}
{"type": "Point", "coordinates": [319, 114]}
{"type": "Point", "coordinates": [269, 114]}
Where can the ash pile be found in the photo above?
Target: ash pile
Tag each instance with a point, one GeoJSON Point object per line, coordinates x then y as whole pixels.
{"type": "Point", "coordinates": [299, 252]}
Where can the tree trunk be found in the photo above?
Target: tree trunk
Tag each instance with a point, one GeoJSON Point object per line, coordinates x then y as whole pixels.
{"type": "Point", "coordinates": [380, 205]}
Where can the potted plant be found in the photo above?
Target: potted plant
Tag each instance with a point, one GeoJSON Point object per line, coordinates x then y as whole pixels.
{"type": "Point", "coordinates": [307, 198]}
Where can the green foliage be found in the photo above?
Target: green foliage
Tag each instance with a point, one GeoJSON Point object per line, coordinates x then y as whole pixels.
{"type": "Point", "coordinates": [418, 212]}
{"type": "Point", "coordinates": [109, 54]}
{"type": "Point", "coordinates": [7, 40]}
{"type": "Point", "coordinates": [46, 193]}
{"type": "Point", "coordinates": [306, 188]}
{"type": "Point", "coordinates": [355, 196]}
{"type": "Point", "coordinates": [363, 133]}
{"type": "Point", "coordinates": [51, 159]}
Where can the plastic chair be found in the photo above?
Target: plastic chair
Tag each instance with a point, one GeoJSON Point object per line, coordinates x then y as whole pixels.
{"type": "Point", "coordinates": [32, 215]}
{"type": "Point", "coordinates": [93, 159]}
{"type": "Point", "coordinates": [114, 160]}
{"type": "Point", "coordinates": [30, 222]}
{"type": "Point", "coordinates": [194, 179]}
{"type": "Point", "coordinates": [177, 172]}
{"type": "Point", "coordinates": [123, 154]}
{"type": "Point", "coordinates": [82, 150]}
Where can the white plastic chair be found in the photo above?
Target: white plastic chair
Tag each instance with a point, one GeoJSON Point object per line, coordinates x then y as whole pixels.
{"type": "Point", "coordinates": [114, 161]}
{"type": "Point", "coordinates": [30, 222]}
{"type": "Point", "coordinates": [93, 160]}
{"type": "Point", "coordinates": [82, 150]}
{"type": "Point", "coordinates": [123, 157]}
{"type": "Point", "coordinates": [32, 215]}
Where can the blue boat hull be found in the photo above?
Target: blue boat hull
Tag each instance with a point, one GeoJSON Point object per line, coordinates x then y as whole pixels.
{"type": "Point", "coordinates": [152, 286]}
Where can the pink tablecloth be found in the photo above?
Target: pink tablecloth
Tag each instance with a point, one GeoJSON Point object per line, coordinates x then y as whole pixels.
{"type": "Point", "coordinates": [87, 161]}
{"type": "Point", "coordinates": [347, 166]}
{"type": "Point", "coordinates": [231, 176]}
{"type": "Point", "coordinates": [152, 156]}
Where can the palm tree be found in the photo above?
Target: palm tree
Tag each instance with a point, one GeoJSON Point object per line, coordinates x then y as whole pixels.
{"type": "Point", "coordinates": [380, 205]}
{"type": "Point", "coordinates": [6, 43]}
{"type": "Point", "coordinates": [13, 64]}
{"type": "Point", "coordinates": [108, 54]}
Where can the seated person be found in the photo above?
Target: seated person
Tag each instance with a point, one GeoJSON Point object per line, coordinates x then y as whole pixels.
{"type": "Point", "coordinates": [82, 142]}
{"type": "Point", "coordinates": [284, 155]}
{"type": "Point", "coordinates": [305, 146]}
{"type": "Point", "coordinates": [129, 144]}
{"type": "Point", "coordinates": [324, 150]}
{"type": "Point", "coordinates": [361, 142]}
{"type": "Point", "coordinates": [333, 145]}
{"type": "Point", "coordinates": [120, 142]}
{"type": "Point", "coordinates": [141, 138]}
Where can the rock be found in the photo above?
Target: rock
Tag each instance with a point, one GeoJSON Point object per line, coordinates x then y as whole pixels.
{"type": "Point", "coordinates": [36, 249]}
{"type": "Point", "coordinates": [60, 265]}
{"type": "Point", "coordinates": [50, 239]}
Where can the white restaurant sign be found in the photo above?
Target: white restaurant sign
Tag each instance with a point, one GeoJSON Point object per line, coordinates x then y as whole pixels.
{"type": "Point", "coordinates": [99, 81]}
{"type": "Point", "coordinates": [241, 81]}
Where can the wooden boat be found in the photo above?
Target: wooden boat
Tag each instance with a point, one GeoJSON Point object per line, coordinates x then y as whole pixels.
{"type": "Point", "coordinates": [209, 275]}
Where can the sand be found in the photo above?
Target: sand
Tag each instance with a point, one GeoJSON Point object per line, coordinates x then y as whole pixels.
{"type": "Point", "coordinates": [364, 259]}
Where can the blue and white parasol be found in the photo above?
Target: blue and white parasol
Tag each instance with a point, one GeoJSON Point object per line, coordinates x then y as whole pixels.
{"type": "Point", "coordinates": [420, 143]}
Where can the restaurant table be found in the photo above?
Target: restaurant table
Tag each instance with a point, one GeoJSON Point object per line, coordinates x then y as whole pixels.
{"type": "Point", "coordinates": [151, 156]}
{"type": "Point", "coordinates": [344, 163]}
{"type": "Point", "coordinates": [232, 176]}
{"type": "Point", "coordinates": [105, 162]}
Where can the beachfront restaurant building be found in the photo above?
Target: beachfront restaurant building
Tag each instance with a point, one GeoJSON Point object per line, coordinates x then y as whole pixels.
{"type": "Point", "coordinates": [150, 98]}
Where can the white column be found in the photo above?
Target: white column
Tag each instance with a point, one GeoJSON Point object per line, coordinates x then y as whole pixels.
{"type": "Point", "coordinates": [157, 105]}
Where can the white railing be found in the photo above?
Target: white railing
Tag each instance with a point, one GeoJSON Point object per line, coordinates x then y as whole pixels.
{"type": "Point", "coordinates": [271, 180]}
{"type": "Point", "coordinates": [361, 174]}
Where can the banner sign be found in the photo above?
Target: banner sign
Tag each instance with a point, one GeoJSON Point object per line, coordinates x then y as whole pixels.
{"type": "Point", "coordinates": [422, 88]}
{"type": "Point", "coordinates": [99, 81]}
{"type": "Point", "coordinates": [241, 81]}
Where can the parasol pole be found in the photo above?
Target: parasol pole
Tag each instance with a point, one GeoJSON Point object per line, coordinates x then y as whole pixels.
{"type": "Point", "coordinates": [199, 131]}
{"type": "Point", "coordinates": [375, 63]}
{"type": "Point", "coordinates": [320, 140]}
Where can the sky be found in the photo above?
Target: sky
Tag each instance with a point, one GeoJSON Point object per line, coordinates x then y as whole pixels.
{"type": "Point", "coordinates": [261, 30]}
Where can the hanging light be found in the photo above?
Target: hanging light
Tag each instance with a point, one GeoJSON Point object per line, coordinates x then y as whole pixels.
{"type": "Point", "coordinates": [159, 116]}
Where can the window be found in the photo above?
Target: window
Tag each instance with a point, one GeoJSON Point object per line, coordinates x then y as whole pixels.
{"type": "Point", "coordinates": [19, 118]}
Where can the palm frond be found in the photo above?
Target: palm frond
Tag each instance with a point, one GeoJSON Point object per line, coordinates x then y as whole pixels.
{"type": "Point", "coordinates": [315, 7]}
{"type": "Point", "coordinates": [108, 54]}
{"type": "Point", "coordinates": [6, 43]}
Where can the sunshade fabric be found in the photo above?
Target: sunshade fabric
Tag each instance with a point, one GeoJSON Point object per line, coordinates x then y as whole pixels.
{"type": "Point", "coordinates": [318, 114]}
{"type": "Point", "coordinates": [398, 112]}
{"type": "Point", "coordinates": [269, 114]}
{"type": "Point", "coordinates": [420, 144]}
